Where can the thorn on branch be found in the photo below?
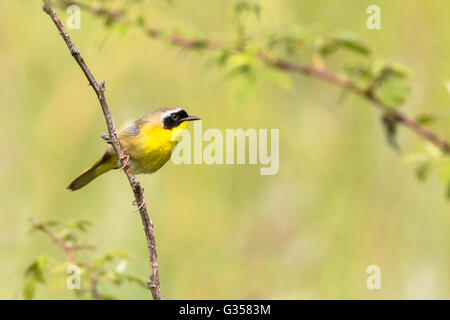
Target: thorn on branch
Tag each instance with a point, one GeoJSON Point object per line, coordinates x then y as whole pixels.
{"type": "Point", "coordinates": [107, 139]}
{"type": "Point", "coordinates": [74, 51]}
{"type": "Point", "coordinates": [140, 206]}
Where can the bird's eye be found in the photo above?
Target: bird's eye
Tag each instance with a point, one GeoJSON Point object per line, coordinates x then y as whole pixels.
{"type": "Point", "coordinates": [174, 116]}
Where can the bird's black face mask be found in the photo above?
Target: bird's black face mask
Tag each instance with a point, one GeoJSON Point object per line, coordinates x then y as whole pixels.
{"type": "Point", "coordinates": [176, 118]}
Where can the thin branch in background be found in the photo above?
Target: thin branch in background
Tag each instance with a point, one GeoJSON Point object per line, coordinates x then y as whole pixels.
{"type": "Point", "coordinates": [94, 290]}
{"type": "Point", "coordinates": [60, 242]}
{"type": "Point", "coordinates": [337, 80]}
{"type": "Point", "coordinates": [93, 270]}
{"type": "Point", "coordinates": [68, 249]}
{"type": "Point", "coordinates": [99, 88]}
{"type": "Point", "coordinates": [281, 64]}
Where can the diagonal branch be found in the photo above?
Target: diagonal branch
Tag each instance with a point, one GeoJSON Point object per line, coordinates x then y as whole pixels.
{"type": "Point", "coordinates": [138, 191]}
{"type": "Point", "coordinates": [339, 81]}
{"type": "Point", "coordinates": [55, 238]}
{"type": "Point", "coordinates": [281, 64]}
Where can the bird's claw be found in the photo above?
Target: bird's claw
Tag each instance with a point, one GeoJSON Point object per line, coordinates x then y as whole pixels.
{"type": "Point", "coordinates": [125, 160]}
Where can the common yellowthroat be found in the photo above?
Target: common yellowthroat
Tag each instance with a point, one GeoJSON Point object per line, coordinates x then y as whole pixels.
{"type": "Point", "coordinates": [148, 142]}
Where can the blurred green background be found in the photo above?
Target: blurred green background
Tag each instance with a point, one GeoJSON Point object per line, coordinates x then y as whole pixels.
{"type": "Point", "coordinates": [341, 201]}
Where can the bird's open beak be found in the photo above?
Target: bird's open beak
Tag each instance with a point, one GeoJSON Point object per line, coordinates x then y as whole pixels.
{"type": "Point", "coordinates": [191, 118]}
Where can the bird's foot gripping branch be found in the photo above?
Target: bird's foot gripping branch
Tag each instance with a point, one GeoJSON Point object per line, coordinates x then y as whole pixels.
{"type": "Point", "coordinates": [99, 88]}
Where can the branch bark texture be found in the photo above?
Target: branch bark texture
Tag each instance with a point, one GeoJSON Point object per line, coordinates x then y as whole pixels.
{"type": "Point", "coordinates": [99, 88]}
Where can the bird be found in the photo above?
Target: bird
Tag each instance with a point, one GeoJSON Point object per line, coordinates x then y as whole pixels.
{"type": "Point", "coordinates": [147, 142]}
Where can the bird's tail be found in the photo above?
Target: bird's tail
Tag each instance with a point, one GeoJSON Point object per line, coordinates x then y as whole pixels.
{"type": "Point", "coordinates": [102, 165]}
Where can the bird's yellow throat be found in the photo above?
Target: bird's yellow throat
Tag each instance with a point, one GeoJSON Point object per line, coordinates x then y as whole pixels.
{"type": "Point", "coordinates": [153, 137]}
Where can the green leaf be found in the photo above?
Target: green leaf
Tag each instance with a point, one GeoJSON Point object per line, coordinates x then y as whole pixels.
{"type": "Point", "coordinates": [122, 254]}
{"type": "Point", "coordinates": [40, 225]}
{"type": "Point", "coordinates": [240, 62]}
{"type": "Point", "coordinates": [279, 78]}
{"type": "Point", "coordinates": [136, 279]}
{"type": "Point", "coordinates": [400, 70]}
{"type": "Point", "coordinates": [121, 28]}
{"type": "Point", "coordinates": [117, 278]}
{"type": "Point", "coordinates": [346, 41]}
{"type": "Point", "coordinates": [29, 288]}
{"type": "Point", "coordinates": [423, 171]}
{"type": "Point", "coordinates": [109, 22]}
{"type": "Point", "coordinates": [390, 130]}
{"type": "Point", "coordinates": [81, 225]}
{"type": "Point", "coordinates": [448, 191]}
{"type": "Point", "coordinates": [36, 269]}
{"type": "Point", "coordinates": [293, 40]}
{"type": "Point", "coordinates": [111, 256]}
{"type": "Point", "coordinates": [426, 119]}
{"type": "Point", "coordinates": [245, 6]}
{"type": "Point", "coordinates": [67, 235]}
{"type": "Point", "coordinates": [359, 73]}
{"type": "Point", "coordinates": [60, 268]}
{"type": "Point", "coordinates": [41, 262]}
{"type": "Point", "coordinates": [223, 56]}
{"type": "Point", "coordinates": [445, 169]}
{"type": "Point", "coordinates": [242, 86]}
{"type": "Point", "coordinates": [141, 21]}
{"type": "Point", "coordinates": [190, 32]}
{"type": "Point", "coordinates": [51, 223]}
{"type": "Point", "coordinates": [394, 91]}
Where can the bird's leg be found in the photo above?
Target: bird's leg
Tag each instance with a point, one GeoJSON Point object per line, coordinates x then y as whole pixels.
{"type": "Point", "coordinates": [125, 160]}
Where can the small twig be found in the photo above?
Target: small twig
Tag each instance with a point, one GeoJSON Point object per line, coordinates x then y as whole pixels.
{"type": "Point", "coordinates": [94, 291]}
{"type": "Point", "coordinates": [105, 137]}
{"type": "Point", "coordinates": [84, 246]}
{"type": "Point", "coordinates": [68, 249]}
{"type": "Point", "coordinates": [99, 89]}
{"type": "Point", "coordinates": [109, 14]}
{"type": "Point", "coordinates": [281, 64]}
